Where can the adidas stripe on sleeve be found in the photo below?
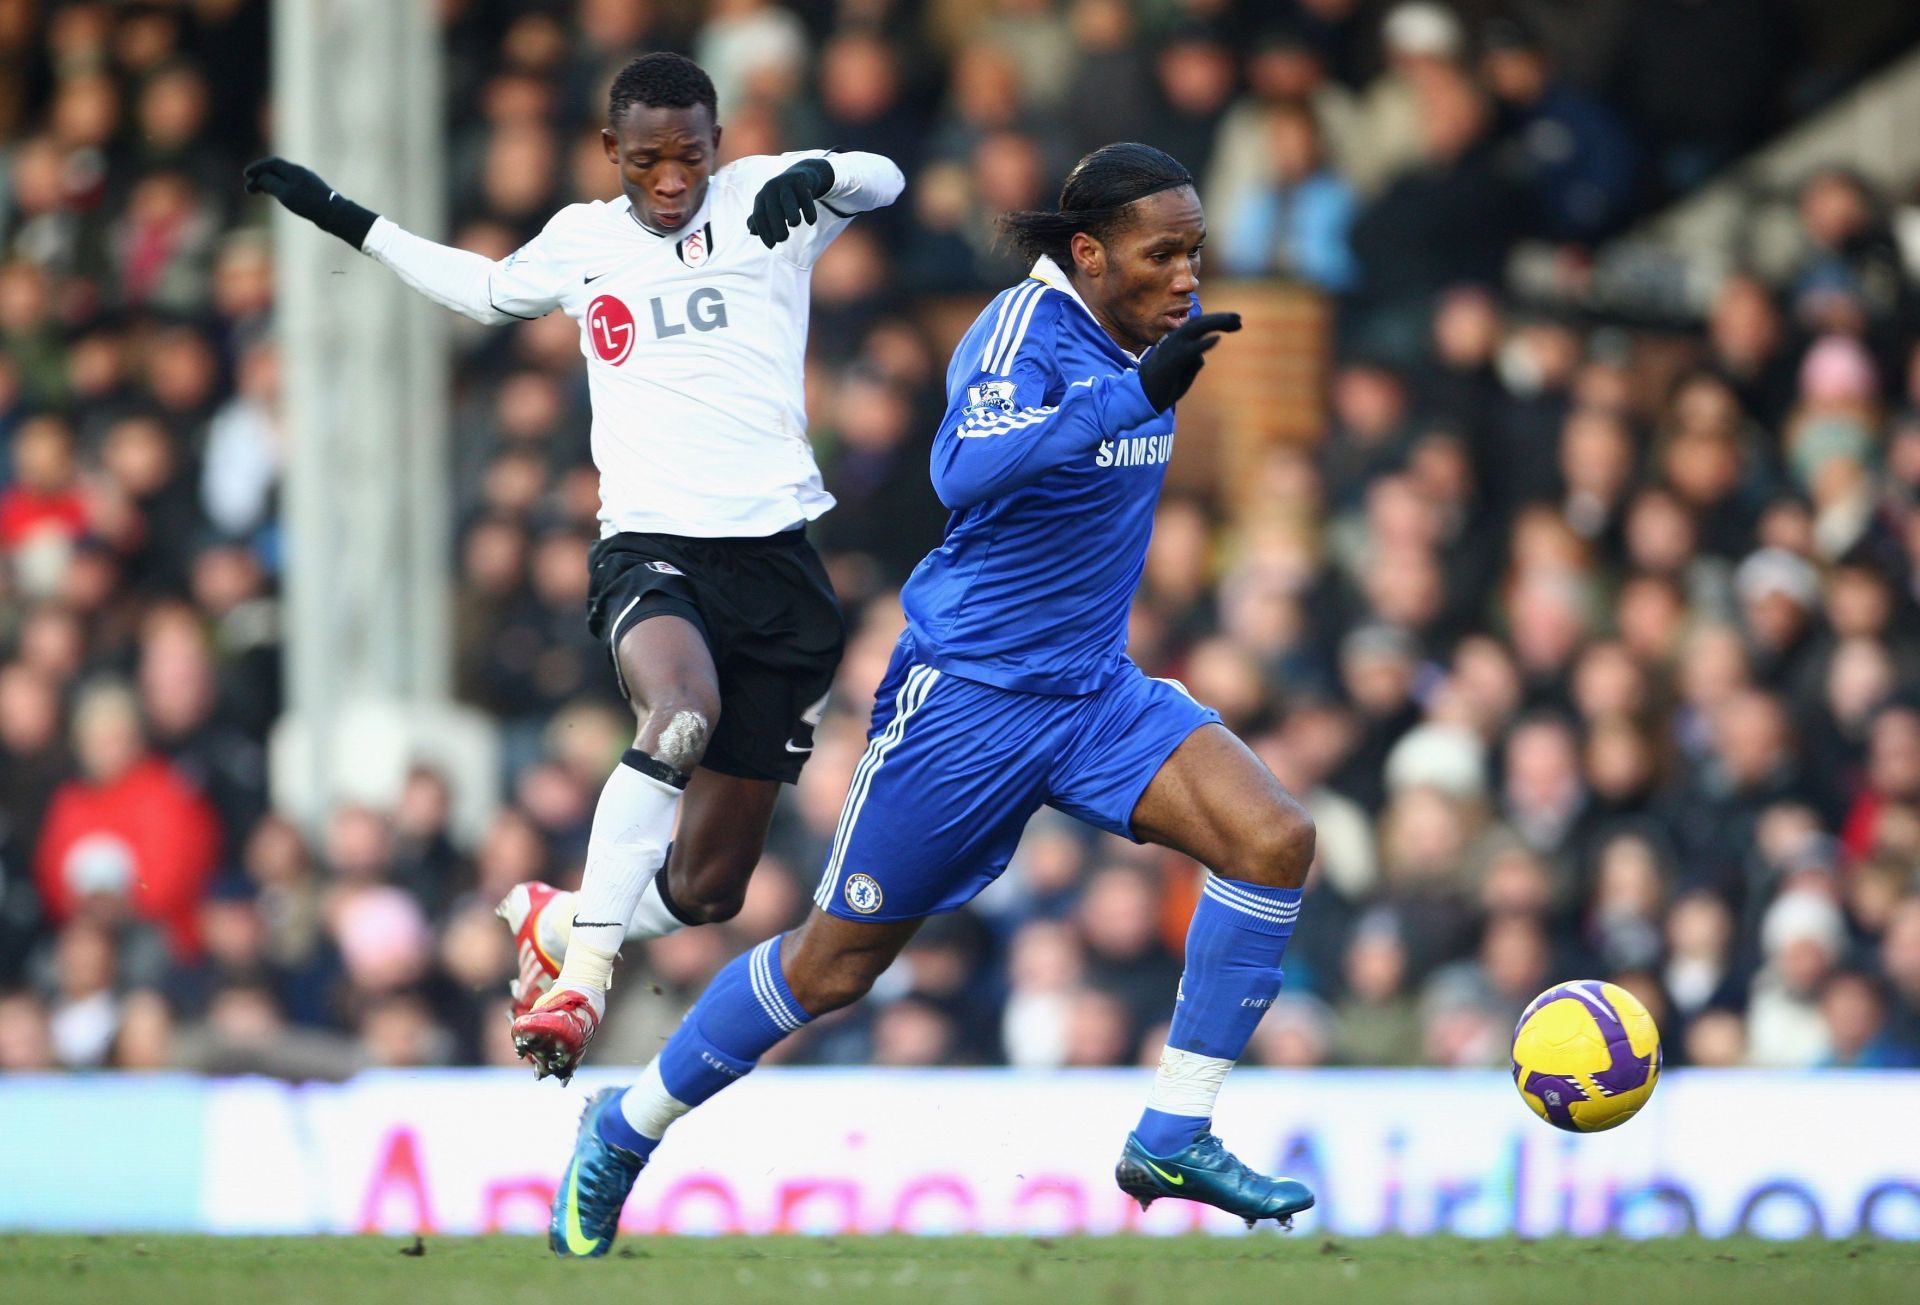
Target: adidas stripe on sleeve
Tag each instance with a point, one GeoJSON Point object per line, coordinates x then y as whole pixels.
{"type": "Point", "coordinates": [1013, 417]}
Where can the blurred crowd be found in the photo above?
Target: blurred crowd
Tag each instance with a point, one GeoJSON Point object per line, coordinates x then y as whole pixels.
{"type": "Point", "coordinates": [1590, 646]}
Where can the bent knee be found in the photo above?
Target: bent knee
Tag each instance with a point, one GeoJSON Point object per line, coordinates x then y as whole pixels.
{"type": "Point", "coordinates": [677, 730]}
{"type": "Point", "coordinates": [1281, 851]}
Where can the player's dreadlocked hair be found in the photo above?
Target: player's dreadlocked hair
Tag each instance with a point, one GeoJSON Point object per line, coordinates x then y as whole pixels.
{"type": "Point", "coordinates": [660, 81]}
{"type": "Point", "coordinates": [1095, 199]}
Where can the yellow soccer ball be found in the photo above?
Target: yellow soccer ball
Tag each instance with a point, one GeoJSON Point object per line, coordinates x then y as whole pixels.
{"type": "Point", "coordinates": [1586, 1056]}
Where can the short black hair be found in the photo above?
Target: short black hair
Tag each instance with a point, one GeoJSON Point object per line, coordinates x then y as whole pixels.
{"type": "Point", "coordinates": [661, 80]}
{"type": "Point", "coordinates": [1095, 199]}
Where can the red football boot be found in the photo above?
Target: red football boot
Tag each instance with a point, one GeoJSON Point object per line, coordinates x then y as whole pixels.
{"type": "Point", "coordinates": [522, 909]}
{"type": "Point", "coordinates": [555, 1033]}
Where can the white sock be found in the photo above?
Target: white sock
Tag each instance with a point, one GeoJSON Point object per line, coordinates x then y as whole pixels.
{"type": "Point", "coordinates": [1187, 1083]}
{"type": "Point", "coordinates": [648, 1106]}
{"type": "Point", "coordinates": [632, 826]}
{"type": "Point", "coordinates": [652, 919]}
{"type": "Point", "coordinates": [555, 925]}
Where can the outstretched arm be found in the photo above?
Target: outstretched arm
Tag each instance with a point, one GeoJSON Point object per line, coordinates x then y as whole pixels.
{"type": "Point", "coordinates": [997, 437]}
{"type": "Point", "coordinates": [992, 444]}
{"type": "Point", "coordinates": [862, 182]}
{"type": "Point", "coordinates": [843, 184]}
{"type": "Point", "coordinates": [477, 287]}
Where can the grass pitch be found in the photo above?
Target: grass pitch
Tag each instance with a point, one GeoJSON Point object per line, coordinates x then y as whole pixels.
{"type": "Point", "coordinates": [79, 1270]}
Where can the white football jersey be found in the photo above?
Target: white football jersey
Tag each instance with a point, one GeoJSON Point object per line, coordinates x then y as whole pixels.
{"type": "Point", "coordinates": [694, 340]}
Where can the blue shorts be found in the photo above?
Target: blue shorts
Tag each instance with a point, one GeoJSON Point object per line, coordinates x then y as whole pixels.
{"type": "Point", "coordinates": [954, 768]}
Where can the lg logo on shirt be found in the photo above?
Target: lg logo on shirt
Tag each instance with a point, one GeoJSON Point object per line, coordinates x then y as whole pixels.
{"type": "Point", "coordinates": [612, 329]}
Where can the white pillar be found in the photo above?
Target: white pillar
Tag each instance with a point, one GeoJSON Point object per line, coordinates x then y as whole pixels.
{"type": "Point", "coordinates": [357, 98]}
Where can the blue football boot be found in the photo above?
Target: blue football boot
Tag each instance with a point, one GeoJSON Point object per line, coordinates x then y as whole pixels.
{"type": "Point", "coordinates": [1207, 1172]}
{"type": "Point", "coordinates": [586, 1208]}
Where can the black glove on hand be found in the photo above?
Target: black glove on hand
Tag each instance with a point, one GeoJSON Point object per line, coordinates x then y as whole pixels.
{"type": "Point", "coordinates": [1172, 365]}
{"type": "Point", "coordinates": [788, 200]}
{"type": "Point", "coordinates": [303, 194]}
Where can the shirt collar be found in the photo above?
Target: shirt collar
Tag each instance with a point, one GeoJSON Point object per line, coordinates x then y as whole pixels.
{"type": "Point", "coordinates": [1047, 271]}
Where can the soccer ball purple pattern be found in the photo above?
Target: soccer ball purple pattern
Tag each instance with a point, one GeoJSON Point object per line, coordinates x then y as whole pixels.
{"type": "Point", "coordinates": [1586, 1056]}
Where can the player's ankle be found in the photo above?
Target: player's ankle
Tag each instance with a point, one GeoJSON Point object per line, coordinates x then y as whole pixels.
{"type": "Point", "coordinates": [588, 971]}
{"type": "Point", "coordinates": [614, 1129]}
{"type": "Point", "coordinates": [596, 997]}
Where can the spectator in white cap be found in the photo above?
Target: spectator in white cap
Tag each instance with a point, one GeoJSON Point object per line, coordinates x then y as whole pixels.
{"type": "Point", "coordinates": [1779, 593]}
{"type": "Point", "coordinates": [1379, 669]}
{"type": "Point", "coordinates": [1802, 937]}
{"type": "Point", "coordinates": [1439, 755]}
{"type": "Point", "coordinates": [1422, 29]}
{"type": "Point", "coordinates": [1417, 38]}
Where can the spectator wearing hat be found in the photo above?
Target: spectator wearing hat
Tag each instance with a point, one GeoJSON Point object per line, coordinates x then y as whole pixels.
{"type": "Point", "coordinates": [1422, 41]}
{"type": "Point", "coordinates": [1779, 595]}
{"type": "Point", "coordinates": [1378, 668]}
{"type": "Point", "coordinates": [1802, 939]}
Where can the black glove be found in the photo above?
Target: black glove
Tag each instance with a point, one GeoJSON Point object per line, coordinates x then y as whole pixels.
{"type": "Point", "coordinates": [303, 194]}
{"type": "Point", "coordinates": [1171, 366]}
{"type": "Point", "coordinates": [787, 200]}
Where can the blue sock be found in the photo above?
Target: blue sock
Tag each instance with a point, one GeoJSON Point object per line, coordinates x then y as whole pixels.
{"type": "Point", "coordinates": [745, 1010]}
{"type": "Point", "coordinates": [1234, 945]}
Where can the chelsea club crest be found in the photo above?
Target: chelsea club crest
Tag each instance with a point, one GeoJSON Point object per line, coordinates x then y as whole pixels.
{"type": "Point", "coordinates": [863, 894]}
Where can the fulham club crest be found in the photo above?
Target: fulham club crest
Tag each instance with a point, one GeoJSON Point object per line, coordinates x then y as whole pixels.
{"type": "Point", "coordinates": [696, 247]}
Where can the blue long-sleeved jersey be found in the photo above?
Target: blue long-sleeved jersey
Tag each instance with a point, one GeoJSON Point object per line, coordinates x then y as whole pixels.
{"type": "Point", "coordinates": [1051, 459]}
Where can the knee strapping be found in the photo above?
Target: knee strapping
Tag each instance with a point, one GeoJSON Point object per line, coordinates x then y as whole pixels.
{"type": "Point", "coordinates": [683, 740]}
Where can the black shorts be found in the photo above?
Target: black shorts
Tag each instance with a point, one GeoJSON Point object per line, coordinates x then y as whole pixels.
{"type": "Point", "coordinates": [767, 611]}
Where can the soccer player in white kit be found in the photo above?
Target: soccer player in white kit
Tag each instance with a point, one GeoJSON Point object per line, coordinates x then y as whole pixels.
{"type": "Point", "coordinates": [691, 292]}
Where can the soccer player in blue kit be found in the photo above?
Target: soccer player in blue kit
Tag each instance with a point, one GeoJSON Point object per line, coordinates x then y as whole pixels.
{"type": "Point", "coordinates": [1011, 690]}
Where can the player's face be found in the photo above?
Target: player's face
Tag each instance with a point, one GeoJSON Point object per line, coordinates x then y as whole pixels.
{"type": "Point", "coordinates": [665, 157]}
{"type": "Point", "coordinates": [1139, 281]}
